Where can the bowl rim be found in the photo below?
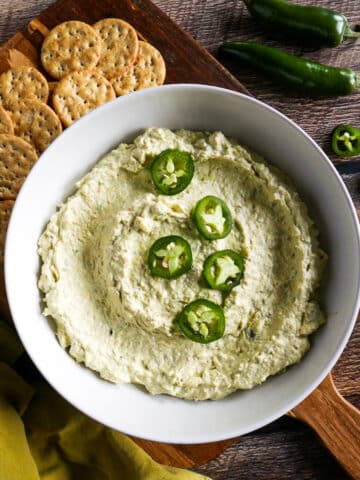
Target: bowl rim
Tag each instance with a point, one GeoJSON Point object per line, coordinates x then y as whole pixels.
{"type": "Point", "coordinates": [197, 439]}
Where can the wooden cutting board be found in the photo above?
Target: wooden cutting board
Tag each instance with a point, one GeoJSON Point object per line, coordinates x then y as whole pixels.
{"type": "Point", "coordinates": [186, 62]}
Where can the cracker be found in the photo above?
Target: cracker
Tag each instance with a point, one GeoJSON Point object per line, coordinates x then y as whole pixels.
{"type": "Point", "coordinates": [16, 159]}
{"type": "Point", "coordinates": [119, 46]}
{"type": "Point", "coordinates": [78, 93]}
{"type": "Point", "coordinates": [6, 125]}
{"type": "Point", "coordinates": [125, 82]}
{"type": "Point", "coordinates": [22, 82]}
{"type": "Point", "coordinates": [35, 122]}
{"type": "Point", "coordinates": [70, 46]}
{"type": "Point", "coordinates": [148, 71]}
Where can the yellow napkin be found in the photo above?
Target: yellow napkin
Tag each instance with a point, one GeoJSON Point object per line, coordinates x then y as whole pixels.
{"type": "Point", "coordinates": [44, 437]}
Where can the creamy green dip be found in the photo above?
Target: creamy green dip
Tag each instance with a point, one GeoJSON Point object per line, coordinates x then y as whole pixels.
{"type": "Point", "coordinates": [118, 320]}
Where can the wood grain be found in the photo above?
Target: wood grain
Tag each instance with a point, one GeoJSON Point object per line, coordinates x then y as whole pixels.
{"type": "Point", "coordinates": [337, 423]}
{"type": "Point", "coordinates": [285, 449]}
{"type": "Point", "coordinates": [184, 456]}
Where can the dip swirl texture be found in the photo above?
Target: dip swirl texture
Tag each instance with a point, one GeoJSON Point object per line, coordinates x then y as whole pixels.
{"type": "Point", "coordinates": [119, 320]}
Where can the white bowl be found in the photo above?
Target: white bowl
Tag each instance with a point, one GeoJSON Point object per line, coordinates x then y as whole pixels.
{"type": "Point", "coordinates": [126, 407]}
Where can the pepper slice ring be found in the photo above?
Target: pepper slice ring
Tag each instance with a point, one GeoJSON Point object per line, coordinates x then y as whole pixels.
{"type": "Point", "coordinates": [212, 218]}
{"type": "Point", "coordinates": [172, 171]}
{"type": "Point", "coordinates": [345, 141]}
{"type": "Point", "coordinates": [170, 257]}
{"type": "Point", "coordinates": [202, 321]}
{"type": "Point", "coordinates": [223, 269]}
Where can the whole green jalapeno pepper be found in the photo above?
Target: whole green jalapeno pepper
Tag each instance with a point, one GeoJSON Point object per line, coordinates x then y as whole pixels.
{"type": "Point", "coordinates": [202, 321]}
{"type": "Point", "coordinates": [305, 76]}
{"type": "Point", "coordinates": [312, 25]}
{"type": "Point", "coordinates": [345, 141]}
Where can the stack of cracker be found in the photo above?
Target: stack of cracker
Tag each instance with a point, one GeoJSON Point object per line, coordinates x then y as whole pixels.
{"type": "Point", "coordinates": [27, 126]}
{"type": "Point", "coordinates": [88, 65]}
{"type": "Point", "coordinates": [93, 64]}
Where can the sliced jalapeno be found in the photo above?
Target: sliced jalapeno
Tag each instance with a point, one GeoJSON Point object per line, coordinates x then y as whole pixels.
{"type": "Point", "coordinates": [212, 218]}
{"type": "Point", "coordinates": [202, 321]}
{"type": "Point", "coordinates": [172, 171]}
{"type": "Point", "coordinates": [345, 141]}
{"type": "Point", "coordinates": [169, 257]}
{"type": "Point", "coordinates": [223, 269]}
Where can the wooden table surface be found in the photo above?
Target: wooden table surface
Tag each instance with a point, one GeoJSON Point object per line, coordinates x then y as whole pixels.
{"type": "Point", "coordinates": [284, 449]}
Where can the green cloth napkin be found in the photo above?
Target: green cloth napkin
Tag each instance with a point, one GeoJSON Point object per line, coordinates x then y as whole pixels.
{"type": "Point", "coordinates": [44, 437]}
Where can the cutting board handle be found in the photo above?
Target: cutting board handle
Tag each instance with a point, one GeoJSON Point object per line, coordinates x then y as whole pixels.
{"type": "Point", "coordinates": [337, 423]}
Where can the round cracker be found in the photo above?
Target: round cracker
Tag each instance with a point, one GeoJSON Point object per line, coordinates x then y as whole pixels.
{"type": "Point", "coordinates": [78, 93]}
{"type": "Point", "coordinates": [22, 82]}
{"type": "Point", "coordinates": [6, 125]}
{"type": "Point", "coordinates": [70, 46]}
{"type": "Point", "coordinates": [119, 46]}
{"type": "Point", "coordinates": [149, 70]}
{"type": "Point", "coordinates": [35, 122]}
{"type": "Point", "coordinates": [16, 159]}
{"type": "Point", "coordinates": [125, 82]}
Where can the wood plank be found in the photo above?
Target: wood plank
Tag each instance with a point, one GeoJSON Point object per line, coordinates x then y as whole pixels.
{"type": "Point", "coordinates": [284, 449]}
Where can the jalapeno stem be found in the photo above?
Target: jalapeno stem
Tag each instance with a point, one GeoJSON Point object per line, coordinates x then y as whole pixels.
{"type": "Point", "coordinates": [349, 33]}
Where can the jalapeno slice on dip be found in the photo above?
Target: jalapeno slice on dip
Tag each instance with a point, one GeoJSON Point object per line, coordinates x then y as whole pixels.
{"type": "Point", "coordinates": [172, 171]}
{"type": "Point", "coordinates": [223, 270]}
{"type": "Point", "coordinates": [169, 257]}
{"type": "Point", "coordinates": [202, 321]}
{"type": "Point", "coordinates": [212, 218]}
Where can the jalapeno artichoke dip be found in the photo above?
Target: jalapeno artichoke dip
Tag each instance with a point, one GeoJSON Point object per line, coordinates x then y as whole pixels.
{"type": "Point", "coordinates": [184, 263]}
